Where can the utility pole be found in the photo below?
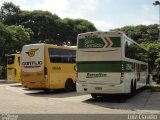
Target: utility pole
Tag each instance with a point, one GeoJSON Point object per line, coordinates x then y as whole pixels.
{"type": "Point", "coordinates": [158, 3]}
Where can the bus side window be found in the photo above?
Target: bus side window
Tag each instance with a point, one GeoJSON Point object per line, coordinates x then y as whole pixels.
{"type": "Point", "coordinates": [54, 55]}
{"type": "Point", "coordinates": [62, 56]}
{"type": "Point", "coordinates": [126, 48]}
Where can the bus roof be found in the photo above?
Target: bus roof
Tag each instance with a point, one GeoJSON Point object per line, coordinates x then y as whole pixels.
{"type": "Point", "coordinates": [56, 46]}
{"type": "Point", "coordinates": [13, 54]}
{"type": "Point", "coordinates": [99, 32]}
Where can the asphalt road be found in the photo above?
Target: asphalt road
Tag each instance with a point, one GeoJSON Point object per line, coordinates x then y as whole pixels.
{"type": "Point", "coordinates": [17, 100]}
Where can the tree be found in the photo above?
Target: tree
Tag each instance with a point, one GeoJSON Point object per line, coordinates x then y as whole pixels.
{"type": "Point", "coordinates": [47, 27]}
{"type": "Point", "coordinates": [13, 38]}
{"type": "Point", "coordinates": [20, 37]}
{"type": "Point", "coordinates": [8, 10]}
{"type": "Point", "coordinates": [70, 28]}
{"type": "Point", "coordinates": [5, 38]}
{"type": "Point", "coordinates": [42, 23]}
{"type": "Point", "coordinates": [141, 33]}
{"type": "Point", "coordinates": [154, 55]}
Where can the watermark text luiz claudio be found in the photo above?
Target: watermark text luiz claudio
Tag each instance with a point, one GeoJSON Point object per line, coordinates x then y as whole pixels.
{"type": "Point", "coordinates": [9, 117]}
{"type": "Point", "coordinates": [142, 117]}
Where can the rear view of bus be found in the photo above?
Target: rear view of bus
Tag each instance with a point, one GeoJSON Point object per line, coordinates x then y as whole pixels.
{"type": "Point", "coordinates": [48, 67]}
{"type": "Point", "coordinates": [99, 63]}
{"type": "Point", "coordinates": [110, 63]}
{"type": "Point", "coordinates": [32, 66]}
{"type": "Point", "coordinates": [13, 68]}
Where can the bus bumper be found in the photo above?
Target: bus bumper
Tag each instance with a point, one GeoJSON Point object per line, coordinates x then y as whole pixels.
{"type": "Point", "coordinates": [103, 89]}
{"type": "Point", "coordinates": [34, 85]}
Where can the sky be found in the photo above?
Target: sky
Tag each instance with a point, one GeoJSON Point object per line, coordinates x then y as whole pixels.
{"type": "Point", "coordinates": [104, 14]}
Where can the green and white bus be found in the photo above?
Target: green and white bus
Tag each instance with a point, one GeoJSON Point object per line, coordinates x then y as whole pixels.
{"type": "Point", "coordinates": [110, 63]}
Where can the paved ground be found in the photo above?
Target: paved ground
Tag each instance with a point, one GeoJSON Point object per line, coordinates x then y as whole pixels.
{"type": "Point", "coordinates": [15, 99]}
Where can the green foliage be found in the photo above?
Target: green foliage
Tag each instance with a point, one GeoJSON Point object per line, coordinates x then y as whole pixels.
{"type": "Point", "coordinates": [141, 33]}
{"type": "Point", "coordinates": [12, 39]}
{"type": "Point", "coordinates": [8, 10]}
{"type": "Point", "coordinates": [5, 38]}
{"type": "Point", "coordinates": [20, 37]}
{"type": "Point", "coordinates": [47, 27]}
{"type": "Point", "coordinates": [70, 28]}
{"type": "Point", "coordinates": [154, 54]}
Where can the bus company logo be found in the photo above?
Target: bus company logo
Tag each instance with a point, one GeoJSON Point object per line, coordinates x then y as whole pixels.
{"type": "Point", "coordinates": [97, 75]}
{"type": "Point", "coordinates": [31, 52]}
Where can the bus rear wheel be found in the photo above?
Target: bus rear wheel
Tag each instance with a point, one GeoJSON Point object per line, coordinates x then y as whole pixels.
{"type": "Point", "coordinates": [133, 88]}
{"type": "Point", "coordinates": [69, 85]}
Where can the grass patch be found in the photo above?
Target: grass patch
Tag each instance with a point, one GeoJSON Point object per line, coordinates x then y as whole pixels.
{"type": "Point", "coordinates": [154, 87]}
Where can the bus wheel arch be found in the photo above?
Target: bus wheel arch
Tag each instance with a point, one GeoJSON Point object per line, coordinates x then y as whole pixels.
{"type": "Point", "coordinates": [69, 85]}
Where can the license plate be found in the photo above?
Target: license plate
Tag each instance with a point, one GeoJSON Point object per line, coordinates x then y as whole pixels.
{"type": "Point", "coordinates": [98, 88]}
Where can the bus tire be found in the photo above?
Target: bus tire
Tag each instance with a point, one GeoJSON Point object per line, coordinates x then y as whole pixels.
{"type": "Point", "coordinates": [47, 90]}
{"type": "Point", "coordinates": [135, 87]}
{"type": "Point", "coordinates": [95, 96]}
{"type": "Point", "coordinates": [132, 89]}
{"type": "Point", "coordinates": [69, 85]}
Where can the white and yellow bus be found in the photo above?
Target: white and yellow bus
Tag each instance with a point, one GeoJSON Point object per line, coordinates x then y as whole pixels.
{"type": "Point", "coordinates": [110, 63]}
{"type": "Point", "coordinates": [13, 68]}
{"type": "Point", "coordinates": [46, 66]}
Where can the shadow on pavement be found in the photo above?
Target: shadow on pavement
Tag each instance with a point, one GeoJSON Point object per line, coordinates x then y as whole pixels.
{"type": "Point", "coordinates": [143, 100]}
{"type": "Point", "coordinates": [117, 98]}
{"type": "Point", "coordinates": [53, 94]}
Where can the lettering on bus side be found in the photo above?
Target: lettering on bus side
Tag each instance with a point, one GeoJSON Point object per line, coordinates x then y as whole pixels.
{"type": "Point", "coordinates": [56, 68]}
{"type": "Point", "coordinates": [97, 75]}
{"type": "Point", "coordinates": [94, 43]}
{"type": "Point", "coordinates": [32, 64]}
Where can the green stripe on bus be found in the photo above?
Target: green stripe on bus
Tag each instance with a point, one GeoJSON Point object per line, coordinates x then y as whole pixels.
{"type": "Point", "coordinates": [113, 66]}
{"type": "Point", "coordinates": [130, 66]}
{"type": "Point", "coordinates": [108, 66]}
